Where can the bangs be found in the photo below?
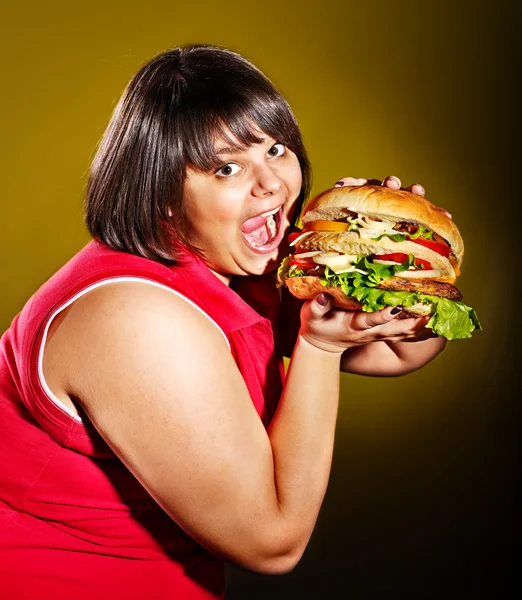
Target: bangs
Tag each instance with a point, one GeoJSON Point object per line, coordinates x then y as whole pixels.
{"type": "Point", "coordinates": [172, 115]}
{"type": "Point", "coordinates": [237, 125]}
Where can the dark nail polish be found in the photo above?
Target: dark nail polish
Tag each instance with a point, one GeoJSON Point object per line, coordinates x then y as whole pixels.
{"type": "Point", "coordinates": [339, 183]}
{"type": "Point", "coordinates": [396, 310]}
{"type": "Point", "coordinates": [322, 300]}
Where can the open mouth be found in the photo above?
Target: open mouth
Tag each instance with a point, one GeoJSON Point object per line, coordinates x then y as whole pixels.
{"type": "Point", "coordinates": [264, 232]}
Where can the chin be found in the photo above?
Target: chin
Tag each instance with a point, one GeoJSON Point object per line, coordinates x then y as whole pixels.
{"type": "Point", "coordinates": [269, 262]}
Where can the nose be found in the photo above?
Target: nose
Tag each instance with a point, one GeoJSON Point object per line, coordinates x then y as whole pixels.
{"type": "Point", "coordinates": [266, 181]}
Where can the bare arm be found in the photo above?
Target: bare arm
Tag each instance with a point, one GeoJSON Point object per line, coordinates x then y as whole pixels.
{"type": "Point", "coordinates": [134, 354]}
{"type": "Point", "coordinates": [389, 359]}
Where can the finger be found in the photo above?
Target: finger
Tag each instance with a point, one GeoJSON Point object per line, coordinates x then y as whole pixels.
{"type": "Point", "coordinates": [412, 325]}
{"type": "Point", "coordinates": [416, 188]}
{"type": "Point", "coordinates": [367, 320]}
{"type": "Point", "coordinates": [319, 306]}
{"type": "Point", "coordinates": [351, 181]}
{"type": "Point", "coordinates": [401, 329]}
{"type": "Point", "coordinates": [392, 182]}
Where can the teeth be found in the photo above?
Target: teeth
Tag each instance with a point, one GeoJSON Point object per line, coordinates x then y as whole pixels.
{"type": "Point", "coordinates": [270, 212]}
{"type": "Point", "coordinates": [271, 225]}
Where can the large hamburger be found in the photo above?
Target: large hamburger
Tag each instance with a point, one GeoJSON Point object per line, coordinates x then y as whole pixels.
{"type": "Point", "coordinates": [370, 247]}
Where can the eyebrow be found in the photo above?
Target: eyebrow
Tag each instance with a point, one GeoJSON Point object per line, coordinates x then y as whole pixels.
{"type": "Point", "coordinates": [230, 150]}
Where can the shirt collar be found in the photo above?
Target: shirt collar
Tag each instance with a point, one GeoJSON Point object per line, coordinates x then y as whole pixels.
{"type": "Point", "coordinates": [222, 303]}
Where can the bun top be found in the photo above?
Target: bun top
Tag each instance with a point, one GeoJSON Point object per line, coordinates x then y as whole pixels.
{"type": "Point", "coordinates": [385, 203]}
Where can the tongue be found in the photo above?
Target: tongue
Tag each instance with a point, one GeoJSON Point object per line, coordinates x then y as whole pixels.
{"type": "Point", "coordinates": [253, 224]}
{"type": "Point", "coordinates": [258, 237]}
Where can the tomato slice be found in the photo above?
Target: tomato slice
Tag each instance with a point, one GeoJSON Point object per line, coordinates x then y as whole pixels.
{"type": "Point", "coordinates": [401, 257]}
{"type": "Point", "coordinates": [398, 257]}
{"type": "Point", "coordinates": [326, 226]}
{"type": "Point", "coordinates": [303, 263]}
{"type": "Point", "coordinates": [437, 247]}
{"type": "Point", "coordinates": [293, 236]}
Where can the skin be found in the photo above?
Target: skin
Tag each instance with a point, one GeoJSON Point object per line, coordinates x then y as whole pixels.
{"type": "Point", "coordinates": [249, 182]}
{"type": "Point", "coordinates": [131, 353]}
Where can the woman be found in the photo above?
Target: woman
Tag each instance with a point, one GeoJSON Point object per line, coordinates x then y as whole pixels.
{"type": "Point", "coordinates": [146, 425]}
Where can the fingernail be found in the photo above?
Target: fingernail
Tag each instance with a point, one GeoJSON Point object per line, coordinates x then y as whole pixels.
{"type": "Point", "coordinates": [322, 300]}
{"type": "Point", "coordinates": [396, 310]}
{"type": "Point", "coordinates": [339, 184]}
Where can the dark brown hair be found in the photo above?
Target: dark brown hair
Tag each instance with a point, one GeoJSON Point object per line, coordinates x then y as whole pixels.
{"type": "Point", "coordinates": [169, 117]}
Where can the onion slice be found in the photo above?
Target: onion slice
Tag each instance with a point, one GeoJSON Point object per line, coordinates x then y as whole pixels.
{"type": "Point", "coordinates": [331, 259]}
{"type": "Point", "coordinates": [298, 239]}
{"type": "Point", "coordinates": [421, 274]}
{"type": "Point", "coordinates": [308, 254]}
{"type": "Point", "coordinates": [385, 262]}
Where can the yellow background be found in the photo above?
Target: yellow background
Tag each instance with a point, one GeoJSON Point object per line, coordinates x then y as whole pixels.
{"type": "Point", "coordinates": [422, 490]}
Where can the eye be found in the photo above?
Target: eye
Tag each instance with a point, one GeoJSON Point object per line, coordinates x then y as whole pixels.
{"type": "Point", "coordinates": [277, 149]}
{"type": "Point", "coordinates": [228, 170]}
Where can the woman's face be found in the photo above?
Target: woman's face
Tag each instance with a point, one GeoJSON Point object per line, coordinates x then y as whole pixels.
{"type": "Point", "coordinates": [240, 213]}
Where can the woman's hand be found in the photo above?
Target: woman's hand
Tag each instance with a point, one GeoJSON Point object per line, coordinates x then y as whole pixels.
{"type": "Point", "coordinates": [371, 343]}
{"type": "Point", "coordinates": [336, 330]}
{"type": "Point", "coordinates": [391, 182]}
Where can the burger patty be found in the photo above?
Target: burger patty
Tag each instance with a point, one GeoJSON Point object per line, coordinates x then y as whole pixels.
{"type": "Point", "coordinates": [422, 286]}
{"type": "Point", "coordinates": [401, 284]}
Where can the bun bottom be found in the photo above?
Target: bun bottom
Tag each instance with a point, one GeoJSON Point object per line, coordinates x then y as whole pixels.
{"type": "Point", "coordinates": [307, 288]}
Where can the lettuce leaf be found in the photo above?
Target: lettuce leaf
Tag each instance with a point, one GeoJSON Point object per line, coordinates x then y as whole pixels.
{"type": "Point", "coordinates": [449, 318]}
{"type": "Point", "coordinates": [282, 271]}
{"type": "Point", "coordinates": [396, 237]}
{"type": "Point", "coordinates": [454, 320]}
{"type": "Point", "coordinates": [423, 233]}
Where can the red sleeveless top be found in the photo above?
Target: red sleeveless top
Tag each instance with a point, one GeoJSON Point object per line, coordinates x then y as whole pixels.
{"type": "Point", "coordinates": [74, 522]}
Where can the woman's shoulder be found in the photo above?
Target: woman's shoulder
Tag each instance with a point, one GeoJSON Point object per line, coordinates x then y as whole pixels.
{"type": "Point", "coordinates": [134, 302]}
{"type": "Point", "coordinates": [131, 322]}
{"type": "Point", "coordinates": [119, 310]}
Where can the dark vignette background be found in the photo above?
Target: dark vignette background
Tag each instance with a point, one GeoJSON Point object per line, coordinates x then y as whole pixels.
{"type": "Point", "coordinates": [422, 501]}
